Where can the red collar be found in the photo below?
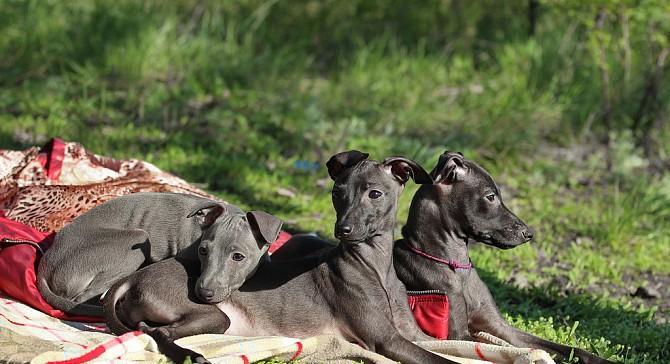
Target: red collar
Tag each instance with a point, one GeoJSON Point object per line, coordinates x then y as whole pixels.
{"type": "Point", "coordinates": [450, 263]}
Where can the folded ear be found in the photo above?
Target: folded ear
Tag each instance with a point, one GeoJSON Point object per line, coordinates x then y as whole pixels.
{"type": "Point", "coordinates": [403, 169]}
{"type": "Point", "coordinates": [341, 161]}
{"type": "Point", "coordinates": [206, 213]}
{"type": "Point", "coordinates": [450, 167]}
{"type": "Point", "coordinates": [264, 226]}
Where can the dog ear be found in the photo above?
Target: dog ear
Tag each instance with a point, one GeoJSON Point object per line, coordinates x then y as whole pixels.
{"type": "Point", "coordinates": [450, 167]}
{"type": "Point", "coordinates": [341, 161]}
{"type": "Point", "coordinates": [403, 168]}
{"type": "Point", "coordinates": [207, 213]}
{"type": "Point", "coordinates": [264, 226]}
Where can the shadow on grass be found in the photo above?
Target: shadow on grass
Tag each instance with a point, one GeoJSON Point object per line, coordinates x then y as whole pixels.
{"type": "Point", "coordinates": [8, 141]}
{"type": "Point", "coordinates": [597, 318]}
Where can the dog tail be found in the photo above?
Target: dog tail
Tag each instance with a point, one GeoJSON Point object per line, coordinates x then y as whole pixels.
{"type": "Point", "coordinates": [118, 290]}
{"type": "Point", "coordinates": [67, 305]}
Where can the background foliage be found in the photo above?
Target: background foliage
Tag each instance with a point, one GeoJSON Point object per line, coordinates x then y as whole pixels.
{"type": "Point", "coordinates": [565, 102]}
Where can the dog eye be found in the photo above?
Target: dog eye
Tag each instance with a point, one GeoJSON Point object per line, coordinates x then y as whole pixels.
{"type": "Point", "coordinates": [374, 194]}
{"type": "Point", "coordinates": [337, 193]}
{"type": "Point", "coordinates": [203, 250]}
{"type": "Point", "coordinates": [491, 197]}
{"type": "Point", "coordinates": [238, 257]}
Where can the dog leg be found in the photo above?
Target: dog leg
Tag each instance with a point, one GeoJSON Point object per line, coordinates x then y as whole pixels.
{"type": "Point", "coordinates": [209, 320]}
{"type": "Point", "coordinates": [493, 323]}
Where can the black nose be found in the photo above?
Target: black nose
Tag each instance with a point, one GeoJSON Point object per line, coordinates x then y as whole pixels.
{"type": "Point", "coordinates": [206, 293]}
{"type": "Point", "coordinates": [343, 230]}
{"type": "Point", "coordinates": [528, 233]}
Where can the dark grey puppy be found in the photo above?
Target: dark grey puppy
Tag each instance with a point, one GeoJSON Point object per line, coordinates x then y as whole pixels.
{"type": "Point", "coordinates": [115, 239]}
{"type": "Point", "coordinates": [464, 204]}
{"type": "Point", "coordinates": [350, 291]}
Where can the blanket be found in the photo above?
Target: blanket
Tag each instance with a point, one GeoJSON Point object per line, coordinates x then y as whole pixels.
{"type": "Point", "coordinates": [42, 189]}
{"type": "Point", "coordinates": [27, 335]}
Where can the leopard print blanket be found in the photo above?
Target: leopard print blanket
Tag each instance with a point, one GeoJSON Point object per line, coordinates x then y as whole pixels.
{"type": "Point", "coordinates": [48, 187]}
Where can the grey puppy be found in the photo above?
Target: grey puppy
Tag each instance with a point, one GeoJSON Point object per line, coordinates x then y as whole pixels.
{"type": "Point", "coordinates": [348, 291]}
{"type": "Point", "coordinates": [464, 204]}
{"type": "Point", "coordinates": [115, 239]}
{"type": "Point", "coordinates": [241, 248]}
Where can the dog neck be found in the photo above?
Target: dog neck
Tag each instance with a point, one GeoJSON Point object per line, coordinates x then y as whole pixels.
{"type": "Point", "coordinates": [431, 233]}
{"type": "Point", "coordinates": [374, 253]}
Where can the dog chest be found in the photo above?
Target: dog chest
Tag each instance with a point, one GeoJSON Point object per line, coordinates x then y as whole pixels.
{"type": "Point", "coordinates": [240, 324]}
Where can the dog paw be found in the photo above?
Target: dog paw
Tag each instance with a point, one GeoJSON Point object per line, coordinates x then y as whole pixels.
{"type": "Point", "coordinates": [201, 360]}
{"type": "Point", "coordinates": [142, 326]}
{"type": "Point", "coordinates": [194, 356]}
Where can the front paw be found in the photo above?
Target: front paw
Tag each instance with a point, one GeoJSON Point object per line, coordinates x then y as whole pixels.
{"type": "Point", "coordinates": [201, 360]}
{"type": "Point", "coordinates": [181, 355]}
{"type": "Point", "coordinates": [142, 326]}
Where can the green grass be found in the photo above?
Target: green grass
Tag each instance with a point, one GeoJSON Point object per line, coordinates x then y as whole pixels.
{"type": "Point", "coordinates": [230, 96]}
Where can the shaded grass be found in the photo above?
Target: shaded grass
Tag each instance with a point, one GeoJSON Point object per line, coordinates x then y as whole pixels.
{"type": "Point", "coordinates": [582, 320]}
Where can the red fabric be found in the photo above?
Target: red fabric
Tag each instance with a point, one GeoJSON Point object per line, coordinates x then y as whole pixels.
{"type": "Point", "coordinates": [51, 158]}
{"type": "Point", "coordinates": [281, 240]}
{"type": "Point", "coordinates": [478, 351]}
{"type": "Point", "coordinates": [18, 262]}
{"type": "Point", "coordinates": [18, 265]}
{"type": "Point", "coordinates": [297, 352]}
{"type": "Point", "coordinates": [55, 151]}
{"type": "Point", "coordinates": [431, 312]}
{"type": "Point", "coordinates": [100, 349]}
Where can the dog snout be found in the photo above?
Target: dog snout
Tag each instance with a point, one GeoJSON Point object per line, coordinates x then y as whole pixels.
{"type": "Point", "coordinates": [343, 230]}
{"type": "Point", "coordinates": [528, 233]}
{"type": "Point", "coordinates": [206, 294]}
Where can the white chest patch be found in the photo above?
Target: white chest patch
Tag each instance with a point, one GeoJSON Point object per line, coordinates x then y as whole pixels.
{"type": "Point", "coordinates": [239, 322]}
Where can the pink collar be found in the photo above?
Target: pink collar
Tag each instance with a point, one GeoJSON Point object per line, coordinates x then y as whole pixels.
{"type": "Point", "coordinates": [450, 263]}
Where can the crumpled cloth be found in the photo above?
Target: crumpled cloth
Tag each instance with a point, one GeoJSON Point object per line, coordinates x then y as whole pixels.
{"type": "Point", "coordinates": [48, 187]}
